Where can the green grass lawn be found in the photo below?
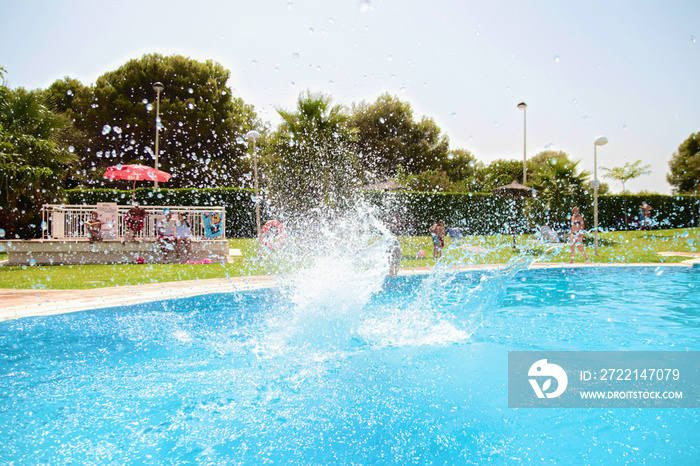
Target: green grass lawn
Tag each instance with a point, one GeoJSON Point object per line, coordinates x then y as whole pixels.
{"type": "Point", "coordinates": [614, 247]}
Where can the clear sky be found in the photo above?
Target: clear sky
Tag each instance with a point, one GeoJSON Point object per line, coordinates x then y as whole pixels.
{"type": "Point", "coordinates": [625, 69]}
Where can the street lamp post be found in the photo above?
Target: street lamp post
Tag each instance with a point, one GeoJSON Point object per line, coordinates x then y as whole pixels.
{"type": "Point", "coordinates": [253, 136]}
{"type": "Point", "coordinates": [158, 87]}
{"type": "Point", "coordinates": [523, 106]}
{"type": "Point", "coordinates": [599, 141]}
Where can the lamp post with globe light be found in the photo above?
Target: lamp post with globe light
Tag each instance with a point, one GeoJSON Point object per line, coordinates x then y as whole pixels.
{"type": "Point", "coordinates": [523, 106]}
{"type": "Point", "coordinates": [253, 136]}
{"type": "Point", "coordinates": [599, 141]}
{"type": "Point", "coordinates": [158, 87]}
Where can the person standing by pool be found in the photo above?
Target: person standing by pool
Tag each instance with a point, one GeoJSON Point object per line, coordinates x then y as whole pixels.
{"type": "Point", "coordinates": [437, 231]}
{"type": "Point", "coordinates": [645, 215]}
{"type": "Point", "coordinates": [576, 235]}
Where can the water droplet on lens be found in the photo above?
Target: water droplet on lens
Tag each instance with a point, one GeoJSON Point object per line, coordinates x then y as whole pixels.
{"type": "Point", "coordinates": [556, 58]}
{"type": "Point", "coordinates": [106, 129]}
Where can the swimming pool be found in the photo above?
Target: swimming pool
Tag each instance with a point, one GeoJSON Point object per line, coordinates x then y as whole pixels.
{"type": "Point", "coordinates": [411, 370]}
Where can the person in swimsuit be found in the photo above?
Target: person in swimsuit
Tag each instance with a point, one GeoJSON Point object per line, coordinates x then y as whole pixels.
{"type": "Point", "coordinates": [437, 231]}
{"type": "Point", "coordinates": [645, 215]}
{"type": "Point", "coordinates": [576, 235]}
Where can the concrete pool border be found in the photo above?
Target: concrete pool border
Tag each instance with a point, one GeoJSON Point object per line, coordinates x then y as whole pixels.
{"type": "Point", "coordinates": [16, 304]}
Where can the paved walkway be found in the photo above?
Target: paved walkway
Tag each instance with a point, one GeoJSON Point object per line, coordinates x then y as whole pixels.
{"type": "Point", "coordinates": [24, 303]}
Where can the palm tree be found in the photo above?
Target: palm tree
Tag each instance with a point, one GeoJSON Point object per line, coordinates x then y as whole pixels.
{"type": "Point", "coordinates": [558, 181]}
{"type": "Point", "coordinates": [32, 167]}
{"type": "Point", "coordinates": [311, 154]}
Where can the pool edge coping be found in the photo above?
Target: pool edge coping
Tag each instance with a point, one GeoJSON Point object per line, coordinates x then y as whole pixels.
{"type": "Point", "coordinates": [33, 303]}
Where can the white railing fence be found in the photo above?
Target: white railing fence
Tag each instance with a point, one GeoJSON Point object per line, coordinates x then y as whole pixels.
{"type": "Point", "coordinates": [60, 221]}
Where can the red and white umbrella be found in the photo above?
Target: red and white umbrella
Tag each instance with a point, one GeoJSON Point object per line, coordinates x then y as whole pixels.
{"type": "Point", "coordinates": [135, 173]}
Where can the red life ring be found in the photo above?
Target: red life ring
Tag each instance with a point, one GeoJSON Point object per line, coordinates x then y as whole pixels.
{"type": "Point", "coordinates": [272, 235]}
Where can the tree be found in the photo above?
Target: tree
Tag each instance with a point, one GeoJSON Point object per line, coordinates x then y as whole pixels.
{"type": "Point", "coordinates": [628, 171]}
{"type": "Point", "coordinates": [310, 156]}
{"type": "Point", "coordinates": [199, 117]}
{"type": "Point", "coordinates": [501, 172]}
{"type": "Point", "coordinates": [463, 169]}
{"type": "Point", "coordinates": [685, 166]}
{"type": "Point", "coordinates": [388, 136]}
{"type": "Point", "coordinates": [32, 166]}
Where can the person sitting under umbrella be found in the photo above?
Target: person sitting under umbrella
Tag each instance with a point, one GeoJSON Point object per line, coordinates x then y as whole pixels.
{"type": "Point", "coordinates": [135, 219]}
{"type": "Point", "coordinates": [166, 234]}
{"type": "Point", "coordinates": [183, 237]}
{"type": "Point", "coordinates": [94, 227]}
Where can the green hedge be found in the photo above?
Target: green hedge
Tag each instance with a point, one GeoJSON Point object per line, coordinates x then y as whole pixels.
{"type": "Point", "coordinates": [474, 213]}
{"type": "Point", "coordinates": [479, 213]}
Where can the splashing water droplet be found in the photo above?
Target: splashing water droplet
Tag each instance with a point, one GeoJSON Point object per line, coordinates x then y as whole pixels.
{"type": "Point", "coordinates": [454, 114]}
{"type": "Point", "coordinates": [253, 62]}
{"type": "Point", "coordinates": [295, 55]}
{"type": "Point", "coordinates": [381, 120]}
{"type": "Point", "coordinates": [692, 39]}
{"type": "Point", "coordinates": [71, 149]}
{"type": "Point", "coordinates": [144, 101]}
{"type": "Point", "coordinates": [149, 107]}
{"type": "Point", "coordinates": [117, 130]}
{"type": "Point", "coordinates": [69, 92]}
{"type": "Point", "coordinates": [624, 127]}
{"type": "Point", "coordinates": [575, 102]}
{"type": "Point", "coordinates": [556, 59]}
{"type": "Point", "coordinates": [190, 105]}
{"type": "Point", "coordinates": [311, 31]}
{"type": "Point", "coordinates": [365, 6]}
{"type": "Point", "coordinates": [290, 5]}
{"type": "Point", "coordinates": [2, 233]}
{"type": "Point", "coordinates": [106, 129]}
{"type": "Point", "coordinates": [331, 21]}
{"type": "Point", "coordinates": [190, 90]}
{"type": "Point", "coordinates": [389, 58]}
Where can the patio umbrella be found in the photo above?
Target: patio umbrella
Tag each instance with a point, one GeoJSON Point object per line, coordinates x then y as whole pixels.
{"type": "Point", "coordinates": [514, 190]}
{"type": "Point", "coordinates": [135, 173]}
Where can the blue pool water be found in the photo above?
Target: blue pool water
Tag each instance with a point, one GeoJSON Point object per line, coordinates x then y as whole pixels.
{"type": "Point", "coordinates": [411, 370]}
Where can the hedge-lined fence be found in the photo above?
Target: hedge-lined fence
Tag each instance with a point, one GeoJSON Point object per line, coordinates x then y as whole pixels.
{"type": "Point", "coordinates": [414, 212]}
